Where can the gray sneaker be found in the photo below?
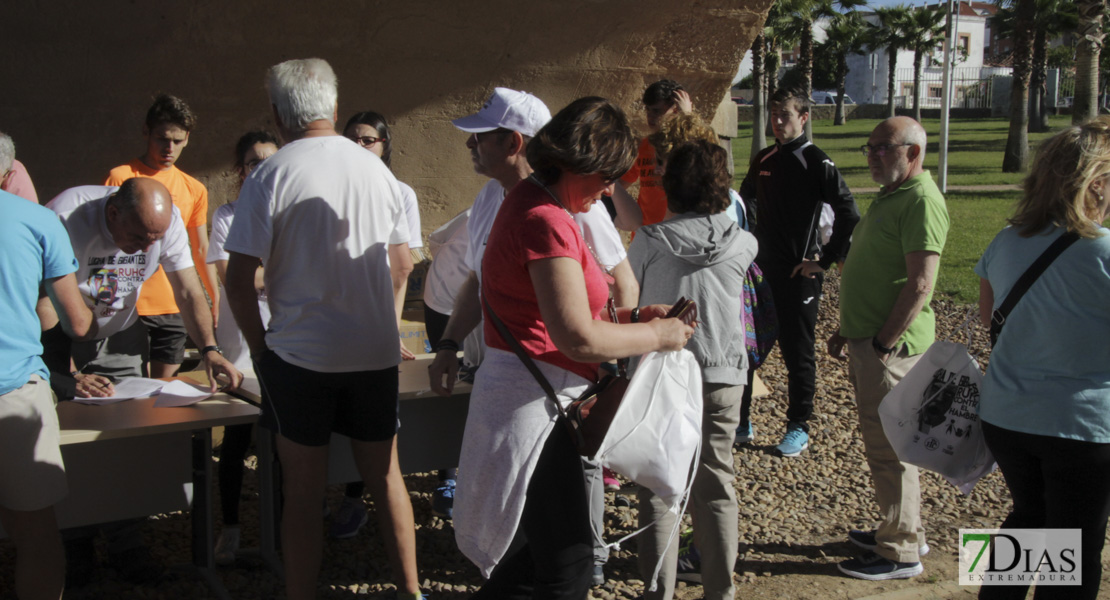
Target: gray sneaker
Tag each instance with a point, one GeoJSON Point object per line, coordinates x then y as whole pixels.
{"type": "Point", "coordinates": [866, 540]}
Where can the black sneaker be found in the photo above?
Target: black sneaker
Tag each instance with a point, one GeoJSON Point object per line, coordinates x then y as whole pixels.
{"type": "Point", "coordinates": [80, 563]}
{"type": "Point", "coordinates": [866, 540]}
{"type": "Point", "coordinates": [873, 567]}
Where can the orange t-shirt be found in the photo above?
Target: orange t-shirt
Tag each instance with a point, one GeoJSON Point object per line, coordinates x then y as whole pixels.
{"type": "Point", "coordinates": [191, 198]}
{"type": "Point", "coordinates": [652, 200]}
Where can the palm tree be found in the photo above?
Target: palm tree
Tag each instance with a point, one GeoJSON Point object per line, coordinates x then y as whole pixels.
{"type": "Point", "coordinates": [889, 34]}
{"type": "Point", "coordinates": [1090, 33]}
{"type": "Point", "coordinates": [781, 30]}
{"type": "Point", "coordinates": [845, 35]}
{"type": "Point", "coordinates": [759, 136]}
{"type": "Point", "coordinates": [922, 29]}
{"type": "Point", "coordinates": [1053, 18]}
{"type": "Point", "coordinates": [805, 12]}
{"type": "Point", "coordinates": [1017, 143]}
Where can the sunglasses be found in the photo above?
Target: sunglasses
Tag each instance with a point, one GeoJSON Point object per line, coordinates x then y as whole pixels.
{"type": "Point", "coordinates": [365, 141]}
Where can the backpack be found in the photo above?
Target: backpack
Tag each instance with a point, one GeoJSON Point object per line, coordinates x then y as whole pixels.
{"type": "Point", "coordinates": [761, 325]}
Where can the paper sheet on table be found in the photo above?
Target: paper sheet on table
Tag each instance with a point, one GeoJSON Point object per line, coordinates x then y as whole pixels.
{"type": "Point", "coordinates": [127, 388]}
{"type": "Point", "coordinates": [179, 393]}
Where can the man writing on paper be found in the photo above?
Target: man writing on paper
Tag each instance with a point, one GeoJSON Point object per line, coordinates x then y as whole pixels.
{"type": "Point", "coordinates": [121, 236]}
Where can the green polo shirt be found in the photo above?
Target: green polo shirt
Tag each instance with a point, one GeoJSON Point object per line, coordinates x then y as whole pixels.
{"type": "Point", "coordinates": [911, 218]}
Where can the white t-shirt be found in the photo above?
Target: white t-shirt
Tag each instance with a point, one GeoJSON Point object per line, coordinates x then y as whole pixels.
{"type": "Point", "coordinates": [321, 213]}
{"type": "Point", "coordinates": [412, 214]}
{"type": "Point", "coordinates": [232, 343]}
{"type": "Point", "coordinates": [108, 278]}
{"type": "Point", "coordinates": [601, 236]}
{"type": "Point", "coordinates": [597, 229]}
{"type": "Point", "coordinates": [449, 245]}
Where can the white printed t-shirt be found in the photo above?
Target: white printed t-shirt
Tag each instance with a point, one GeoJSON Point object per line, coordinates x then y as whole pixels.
{"type": "Point", "coordinates": [321, 213]}
{"type": "Point", "coordinates": [109, 279]}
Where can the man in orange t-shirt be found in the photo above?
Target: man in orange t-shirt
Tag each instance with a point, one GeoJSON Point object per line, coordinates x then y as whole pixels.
{"type": "Point", "coordinates": [661, 99]}
{"type": "Point", "coordinates": [168, 124]}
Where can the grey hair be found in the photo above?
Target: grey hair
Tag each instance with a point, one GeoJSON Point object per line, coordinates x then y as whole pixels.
{"type": "Point", "coordinates": [303, 90]}
{"type": "Point", "coordinates": [915, 134]}
{"type": "Point", "coordinates": [7, 153]}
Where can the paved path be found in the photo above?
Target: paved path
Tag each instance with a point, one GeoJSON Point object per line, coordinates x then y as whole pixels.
{"type": "Point", "coordinates": [957, 188]}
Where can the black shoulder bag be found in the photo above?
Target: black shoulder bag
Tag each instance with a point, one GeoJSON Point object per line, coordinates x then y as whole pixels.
{"type": "Point", "coordinates": [998, 317]}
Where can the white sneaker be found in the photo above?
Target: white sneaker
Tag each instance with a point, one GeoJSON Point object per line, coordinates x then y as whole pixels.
{"type": "Point", "coordinates": [227, 545]}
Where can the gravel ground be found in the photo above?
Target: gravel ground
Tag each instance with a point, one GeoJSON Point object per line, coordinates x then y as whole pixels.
{"type": "Point", "coordinates": [795, 513]}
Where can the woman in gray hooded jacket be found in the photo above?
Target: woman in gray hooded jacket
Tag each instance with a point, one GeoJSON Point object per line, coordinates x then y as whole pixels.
{"type": "Point", "coordinates": [700, 253]}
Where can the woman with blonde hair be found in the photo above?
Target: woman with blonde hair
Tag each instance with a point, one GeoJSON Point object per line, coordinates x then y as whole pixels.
{"type": "Point", "coordinates": [1045, 401]}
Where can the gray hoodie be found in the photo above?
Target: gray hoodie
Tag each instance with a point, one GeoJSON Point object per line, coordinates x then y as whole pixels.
{"type": "Point", "coordinates": [704, 258]}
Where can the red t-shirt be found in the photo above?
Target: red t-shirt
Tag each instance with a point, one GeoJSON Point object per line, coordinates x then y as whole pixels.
{"type": "Point", "coordinates": [531, 226]}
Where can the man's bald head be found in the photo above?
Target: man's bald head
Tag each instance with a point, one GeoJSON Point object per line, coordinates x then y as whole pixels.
{"type": "Point", "coordinates": [897, 151]}
{"type": "Point", "coordinates": [138, 214]}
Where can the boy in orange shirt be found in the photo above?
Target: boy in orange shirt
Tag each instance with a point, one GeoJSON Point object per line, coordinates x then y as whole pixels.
{"type": "Point", "coordinates": [168, 124]}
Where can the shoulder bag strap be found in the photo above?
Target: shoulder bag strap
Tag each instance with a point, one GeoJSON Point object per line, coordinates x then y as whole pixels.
{"type": "Point", "coordinates": [998, 317]}
{"type": "Point", "coordinates": [524, 358]}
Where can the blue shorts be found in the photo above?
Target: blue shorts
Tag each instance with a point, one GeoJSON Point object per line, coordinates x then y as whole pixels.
{"type": "Point", "coordinates": [306, 406]}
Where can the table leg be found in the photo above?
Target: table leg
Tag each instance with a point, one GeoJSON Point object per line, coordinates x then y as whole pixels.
{"type": "Point", "coordinates": [203, 560]}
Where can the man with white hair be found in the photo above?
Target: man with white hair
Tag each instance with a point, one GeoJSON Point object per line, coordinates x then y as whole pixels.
{"type": "Point", "coordinates": [13, 175]}
{"type": "Point", "coordinates": [325, 218]}
{"type": "Point", "coordinates": [885, 325]}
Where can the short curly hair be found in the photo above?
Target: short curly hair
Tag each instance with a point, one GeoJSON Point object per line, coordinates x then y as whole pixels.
{"type": "Point", "coordinates": [172, 110]}
{"type": "Point", "coordinates": [683, 127]}
{"type": "Point", "coordinates": [590, 135]}
{"type": "Point", "coordinates": [661, 91]}
{"type": "Point", "coordinates": [697, 178]}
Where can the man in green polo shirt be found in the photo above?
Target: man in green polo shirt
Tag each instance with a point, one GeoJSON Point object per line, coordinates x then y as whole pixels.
{"type": "Point", "coordinates": [885, 325]}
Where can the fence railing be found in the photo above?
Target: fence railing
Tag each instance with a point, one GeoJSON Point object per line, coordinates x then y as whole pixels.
{"type": "Point", "coordinates": [971, 86]}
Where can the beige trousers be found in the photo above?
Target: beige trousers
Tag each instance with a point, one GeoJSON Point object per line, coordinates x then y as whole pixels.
{"type": "Point", "coordinates": [896, 486]}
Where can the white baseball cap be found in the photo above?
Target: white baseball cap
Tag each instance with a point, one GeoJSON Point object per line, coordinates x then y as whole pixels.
{"type": "Point", "coordinates": [509, 109]}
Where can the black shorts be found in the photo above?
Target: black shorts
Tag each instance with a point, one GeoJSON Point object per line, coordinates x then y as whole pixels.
{"type": "Point", "coordinates": [306, 406]}
{"type": "Point", "coordinates": [167, 338]}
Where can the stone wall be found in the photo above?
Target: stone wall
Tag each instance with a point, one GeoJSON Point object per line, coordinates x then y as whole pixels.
{"type": "Point", "coordinates": [80, 76]}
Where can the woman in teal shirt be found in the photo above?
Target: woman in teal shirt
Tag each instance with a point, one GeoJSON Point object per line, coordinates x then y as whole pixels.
{"type": "Point", "coordinates": [1045, 402]}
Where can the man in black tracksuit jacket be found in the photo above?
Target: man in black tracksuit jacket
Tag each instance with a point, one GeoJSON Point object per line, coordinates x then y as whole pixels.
{"type": "Point", "coordinates": [784, 189]}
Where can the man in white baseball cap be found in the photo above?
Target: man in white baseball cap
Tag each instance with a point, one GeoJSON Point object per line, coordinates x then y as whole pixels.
{"type": "Point", "coordinates": [499, 134]}
{"type": "Point", "coordinates": [507, 109]}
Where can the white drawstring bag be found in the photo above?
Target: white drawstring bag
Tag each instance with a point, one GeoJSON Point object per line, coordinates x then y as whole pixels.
{"type": "Point", "coordinates": [655, 436]}
{"type": "Point", "coordinates": [931, 417]}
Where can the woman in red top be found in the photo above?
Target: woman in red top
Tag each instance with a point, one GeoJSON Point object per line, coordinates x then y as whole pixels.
{"type": "Point", "coordinates": [521, 511]}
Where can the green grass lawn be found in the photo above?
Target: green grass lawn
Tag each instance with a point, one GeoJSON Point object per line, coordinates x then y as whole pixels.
{"type": "Point", "coordinates": [975, 158]}
{"type": "Point", "coordinates": [974, 149]}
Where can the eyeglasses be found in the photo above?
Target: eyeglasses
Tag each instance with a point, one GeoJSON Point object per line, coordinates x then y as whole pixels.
{"type": "Point", "coordinates": [365, 141]}
{"type": "Point", "coordinates": [880, 149]}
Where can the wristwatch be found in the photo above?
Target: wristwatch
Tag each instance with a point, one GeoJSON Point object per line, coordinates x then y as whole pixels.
{"type": "Point", "coordinates": [207, 349]}
{"type": "Point", "coordinates": [881, 348]}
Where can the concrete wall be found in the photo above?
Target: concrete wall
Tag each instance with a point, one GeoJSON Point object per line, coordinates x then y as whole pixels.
{"type": "Point", "coordinates": [78, 77]}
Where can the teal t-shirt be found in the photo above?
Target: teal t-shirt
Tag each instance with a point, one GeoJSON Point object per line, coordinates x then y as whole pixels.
{"type": "Point", "coordinates": [911, 218]}
{"type": "Point", "coordinates": [33, 246]}
{"type": "Point", "coordinates": [1050, 370]}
